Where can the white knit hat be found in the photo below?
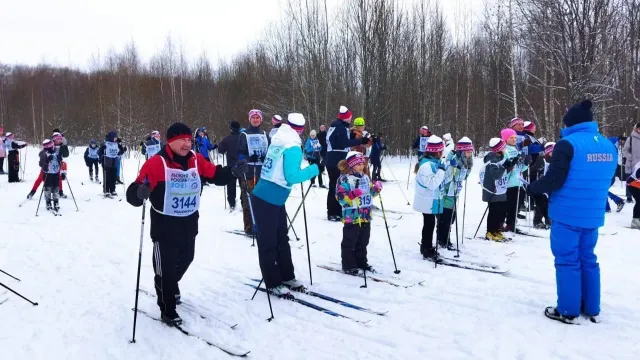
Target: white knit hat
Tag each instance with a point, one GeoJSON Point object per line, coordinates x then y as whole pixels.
{"type": "Point", "coordinates": [296, 121]}
{"type": "Point", "coordinates": [446, 137]}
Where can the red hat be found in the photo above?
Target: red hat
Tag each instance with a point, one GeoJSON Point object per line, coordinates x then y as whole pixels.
{"type": "Point", "coordinates": [497, 145]}
{"type": "Point", "coordinates": [344, 113]}
{"type": "Point", "coordinates": [434, 144]}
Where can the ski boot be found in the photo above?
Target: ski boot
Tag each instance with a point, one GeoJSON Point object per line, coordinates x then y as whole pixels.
{"type": "Point", "coordinates": [295, 285]}
{"type": "Point", "coordinates": [113, 193]}
{"type": "Point", "coordinates": [368, 268]}
{"type": "Point", "coordinates": [171, 319]}
{"type": "Point", "coordinates": [620, 206]}
{"type": "Point", "coordinates": [30, 196]}
{"type": "Point", "coordinates": [56, 206]}
{"type": "Point", "coordinates": [629, 200]}
{"type": "Point", "coordinates": [354, 271]}
{"type": "Point", "coordinates": [552, 313]}
{"type": "Point", "coordinates": [97, 179]}
{"type": "Point", "coordinates": [540, 225]}
{"type": "Point", "coordinates": [91, 177]}
{"type": "Point", "coordinates": [432, 255]}
{"type": "Point", "coordinates": [62, 195]}
{"type": "Point", "coordinates": [48, 204]}
{"type": "Point", "coordinates": [635, 224]}
{"type": "Point", "coordinates": [280, 291]}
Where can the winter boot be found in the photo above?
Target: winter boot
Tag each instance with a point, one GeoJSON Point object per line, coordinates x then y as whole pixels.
{"type": "Point", "coordinates": [91, 177]}
{"type": "Point", "coordinates": [97, 178]}
{"type": "Point", "coordinates": [552, 313]}
{"type": "Point", "coordinates": [62, 195]}
{"type": "Point", "coordinates": [540, 225]}
{"type": "Point", "coordinates": [354, 271]}
{"type": "Point", "coordinates": [113, 193]}
{"type": "Point", "coordinates": [368, 268]}
{"type": "Point", "coordinates": [171, 319]}
{"type": "Point", "coordinates": [31, 193]}
{"type": "Point", "coordinates": [281, 291]}
{"type": "Point", "coordinates": [620, 206]}
{"type": "Point", "coordinates": [49, 207]}
{"type": "Point", "coordinates": [431, 254]}
{"type": "Point", "coordinates": [295, 285]}
{"type": "Point", "coordinates": [56, 206]}
{"type": "Point", "coordinates": [629, 200]}
{"type": "Point", "coordinates": [635, 224]}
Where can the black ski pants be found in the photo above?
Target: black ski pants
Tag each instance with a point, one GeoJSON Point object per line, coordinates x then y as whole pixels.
{"type": "Point", "coordinates": [273, 242]}
{"type": "Point", "coordinates": [1, 164]}
{"type": "Point", "coordinates": [428, 225]}
{"type": "Point", "coordinates": [496, 215]}
{"type": "Point", "coordinates": [231, 191]}
{"type": "Point", "coordinates": [512, 207]}
{"type": "Point", "coordinates": [333, 207]}
{"type": "Point", "coordinates": [355, 239]}
{"type": "Point", "coordinates": [542, 210]}
{"type": "Point", "coordinates": [320, 170]}
{"type": "Point", "coordinates": [635, 192]}
{"type": "Point", "coordinates": [377, 167]}
{"type": "Point", "coordinates": [14, 166]}
{"type": "Point", "coordinates": [171, 259]}
{"type": "Point", "coordinates": [444, 227]}
{"type": "Point", "coordinates": [91, 164]}
{"type": "Point", "coordinates": [109, 179]}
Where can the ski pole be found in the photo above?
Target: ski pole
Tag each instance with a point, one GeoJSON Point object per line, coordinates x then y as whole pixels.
{"type": "Point", "coordinates": [135, 313]}
{"type": "Point", "coordinates": [386, 225]}
{"type": "Point", "coordinates": [298, 210]}
{"type": "Point", "coordinates": [409, 174]}
{"type": "Point", "coordinates": [483, 215]}
{"type": "Point", "coordinates": [396, 180]}
{"type": "Point", "coordinates": [13, 291]}
{"type": "Point", "coordinates": [306, 231]}
{"type": "Point", "coordinates": [24, 168]}
{"type": "Point", "coordinates": [253, 220]}
{"type": "Point", "coordinates": [124, 189]}
{"type": "Point", "coordinates": [73, 197]}
{"type": "Point", "coordinates": [292, 228]}
{"type": "Point", "coordinates": [41, 192]}
{"type": "Point", "coordinates": [268, 298]}
{"type": "Point", "coordinates": [464, 211]}
{"type": "Point", "coordinates": [455, 212]}
{"type": "Point", "coordinates": [225, 187]}
{"type": "Point", "coordinates": [9, 275]}
{"type": "Point", "coordinates": [365, 279]}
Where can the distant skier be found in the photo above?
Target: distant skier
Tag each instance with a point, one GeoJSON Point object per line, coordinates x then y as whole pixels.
{"type": "Point", "coordinates": [109, 153]}
{"type": "Point", "coordinates": [152, 145]}
{"type": "Point", "coordinates": [229, 148]}
{"type": "Point", "coordinates": [377, 148]}
{"type": "Point", "coordinates": [276, 121]}
{"type": "Point", "coordinates": [515, 197]}
{"type": "Point", "coordinates": [449, 145]}
{"type": "Point", "coordinates": [420, 143]}
{"type": "Point", "coordinates": [172, 182]}
{"type": "Point", "coordinates": [579, 176]}
{"type": "Point", "coordinates": [312, 149]}
{"type": "Point", "coordinates": [268, 199]}
{"type": "Point", "coordinates": [355, 192]}
{"type": "Point", "coordinates": [430, 173]}
{"type": "Point", "coordinates": [203, 145]}
{"type": "Point", "coordinates": [50, 163]}
{"type": "Point", "coordinates": [12, 146]}
{"type": "Point", "coordinates": [61, 148]}
{"type": "Point", "coordinates": [92, 158]}
{"type": "Point", "coordinates": [3, 151]}
{"type": "Point", "coordinates": [540, 166]}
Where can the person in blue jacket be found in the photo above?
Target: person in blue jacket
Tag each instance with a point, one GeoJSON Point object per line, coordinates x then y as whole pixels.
{"type": "Point", "coordinates": [280, 171]}
{"type": "Point", "coordinates": [312, 150]}
{"type": "Point", "coordinates": [202, 144]}
{"type": "Point", "coordinates": [338, 145]}
{"type": "Point", "coordinates": [577, 181]}
{"type": "Point", "coordinates": [376, 157]}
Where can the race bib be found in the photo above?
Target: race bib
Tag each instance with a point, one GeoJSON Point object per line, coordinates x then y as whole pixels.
{"type": "Point", "coordinates": [182, 191]}
{"type": "Point", "coordinates": [365, 200]}
{"type": "Point", "coordinates": [257, 144]}
{"type": "Point", "coordinates": [93, 153]}
{"type": "Point", "coordinates": [54, 166]}
{"type": "Point", "coordinates": [111, 150]}
{"type": "Point", "coordinates": [423, 143]}
{"type": "Point", "coordinates": [273, 166]}
{"type": "Point", "coordinates": [152, 150]}
{"type": "Point", "coordinates": [501, 185]}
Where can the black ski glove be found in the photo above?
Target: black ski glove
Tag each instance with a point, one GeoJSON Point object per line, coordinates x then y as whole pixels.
{"type": "Point", "coordinates": [223, 175]}
{"type": "Point", "coordinates": [143, 192]}
{"type": "Point", "coordinates": [240, 169]}
{"type": "Point", "coordinates": [364, 140]}
{"type": "Point", "coordinates": [50, 157]}
{"type": "Point", "coordinates": [254, 158]}
{"type": "Point", "coordinates": [528, 160]}
{"type": "Point", "coordinates": [63, 176]}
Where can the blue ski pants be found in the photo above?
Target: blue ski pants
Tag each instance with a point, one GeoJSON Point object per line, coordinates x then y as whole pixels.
{"type": "Point", "coordinates": [577, 269]}
{"type": "Point", "coordinates": [616, 199]}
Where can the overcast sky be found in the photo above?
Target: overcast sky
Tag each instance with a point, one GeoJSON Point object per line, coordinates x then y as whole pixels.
{"type": "Point", "coordinates": [69, 32]}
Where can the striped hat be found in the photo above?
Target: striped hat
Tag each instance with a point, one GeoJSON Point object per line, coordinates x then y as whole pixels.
{"type": "Point", "coordinates": [255, 112]}
{"type": "Point", "coordinates": [276, 119]}
{"type": "Point", "coordinates": [515, 121]}
{"type": "Point", "coordinates": [434, 144]}
{"type": "Point", "coordinates": [47, 144]}
{"type": "Point", "coordinates": [296, 121]}
{"type": "Point", "coordinates": [344, 113]}
{"type": "Point", "coordinates": [548, 147]}
{"type": "Point", "coordinates": [530, 126]}
{"type": "Point", "coordinates": [155, 133]}
{"type": "Point", "coordinates": [10, 135]}
{"type": "Point", "coordinates": [497, 145]}
{"type": "Point", "coordinates": [56, 136]}
{"type": "Point", "coordinates": [355, 158]}
{"type": "Point", "coordinates": [464, 144]}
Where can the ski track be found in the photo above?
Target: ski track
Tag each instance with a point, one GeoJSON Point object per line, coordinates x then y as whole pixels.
{"type": "Point", "coordinates": [81, 269]}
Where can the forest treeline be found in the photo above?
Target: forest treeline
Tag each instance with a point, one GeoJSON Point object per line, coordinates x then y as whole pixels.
{"type": "Point", "coordinates": [399, 66]}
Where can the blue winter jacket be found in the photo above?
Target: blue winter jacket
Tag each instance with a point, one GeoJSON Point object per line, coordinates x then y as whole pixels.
{"type": "Point", "coordinates": [376, 150]}
{"type": "Point", "coordinates": [579, 177]}
{"type": "Point", "coordinates": [202, 145]}
{"type": "Point", "coordinates": [312, 149]}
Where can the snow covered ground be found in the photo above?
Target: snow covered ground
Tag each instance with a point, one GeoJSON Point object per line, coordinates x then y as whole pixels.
{"type": "Point", "coordinates": [81, 269]}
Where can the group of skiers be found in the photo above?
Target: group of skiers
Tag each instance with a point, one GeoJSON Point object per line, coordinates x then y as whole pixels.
{"type": "Point", "coordinates": [9, 147]}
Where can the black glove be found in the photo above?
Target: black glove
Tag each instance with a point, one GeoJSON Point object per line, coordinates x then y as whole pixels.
{"type": "Point", "coordinates": [364, 140]}
{"type": "Point", "coordinates": [624, 161]}
{"type": "Point", "coordinates": [254, 158]}
{"type": "Point", "coordinates": [50, 157]}
{"type": "Point", "coordinates": [528, 160]}
{"type": "Point", "coordinates": [223, 175]}
{"type": "Point", "coordinates": [143, 192]}
{"type": "Point", "coordinates": [63, 176]}
{"type": "Point", "coordinates": [240, 169]}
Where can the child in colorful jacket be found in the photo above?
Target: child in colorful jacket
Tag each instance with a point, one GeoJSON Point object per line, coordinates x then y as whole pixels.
{"type": "Point", "coordinates": [355, 193]}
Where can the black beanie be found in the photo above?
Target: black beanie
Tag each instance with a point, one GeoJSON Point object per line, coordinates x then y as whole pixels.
{"type": "Point", "coordinates": [579, 113]}
{"type": "Point", "coordinates": [234, 126]}
{"type": "Point", "coordinates": [178, 131]}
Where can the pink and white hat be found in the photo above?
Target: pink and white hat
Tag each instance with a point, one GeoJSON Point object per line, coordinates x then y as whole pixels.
{"type": "Point", "coordinates": [255, 112]}
{"type": "Point", "coordinates": [355, 158]}
{"type": "Point", "coordinates": [497, 145]}
{"type": "Point", "coordinates": [548, 147]}
{"type": "Point", "coordinates": [155, 134]}
{"type": "Point", "coordinates": [530, 126]}
{"type": "Point", "coordinates": [434, 144]}
{"type": "Point", "coordinates": [515, 121]}
{"type": "Point", "coordinates": [464, 144]}
{"type": "Point", "coordinates": [276, 119]}
{"type": "Point", "coordinates": [47, 144]}
{"type": "Point", "coordinates": [56, 136]}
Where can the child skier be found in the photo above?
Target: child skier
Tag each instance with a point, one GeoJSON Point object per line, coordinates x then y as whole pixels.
{"type": "Point", "coordinates": [355, 193]}
{"type": "Point", "coordinates": [312, 150]}
{"type": "Point", "coordinates": [430, 172]}
{"type": "Point", "coordinates": [461, 161]}
{"type": "Point", "coordinates": [92, 158]}
{"type": "Point", "coordinates": [494, 178]}
{"type": "Point", "coordinates": [109, 153]}
{"type": "Point", "coordinates": [50, 162]}
{"type": "Point", "coordinates": [542, 202]}
{"type": "Point", "coordinates": [514, 196]}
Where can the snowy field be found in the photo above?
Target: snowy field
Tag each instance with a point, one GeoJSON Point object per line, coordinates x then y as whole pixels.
{"type": "Point", "coordinates": [81, 269]}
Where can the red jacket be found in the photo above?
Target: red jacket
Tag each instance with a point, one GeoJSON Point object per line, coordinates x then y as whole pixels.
{"type": "Point", "coordinates": [153, 173]}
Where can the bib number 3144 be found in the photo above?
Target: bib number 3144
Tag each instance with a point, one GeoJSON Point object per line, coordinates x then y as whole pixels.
{"type": "Point", "coordinates": [183, 202]}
